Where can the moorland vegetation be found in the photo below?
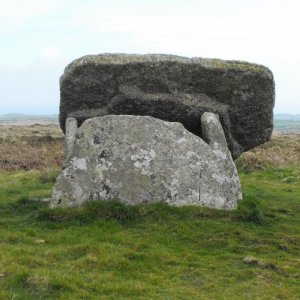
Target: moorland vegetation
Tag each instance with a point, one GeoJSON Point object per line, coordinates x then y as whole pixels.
{"type": "Point", "coordinates": [106, 250]}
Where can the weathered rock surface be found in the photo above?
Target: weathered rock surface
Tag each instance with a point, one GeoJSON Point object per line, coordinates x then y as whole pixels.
{"type": "Point", "coordinates": [173, 88]}
{"type": "Point", "coordinates": [138, 159]}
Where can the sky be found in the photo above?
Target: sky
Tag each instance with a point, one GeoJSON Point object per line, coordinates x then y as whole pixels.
{"type": "Point", "coordinates": [40, 37]}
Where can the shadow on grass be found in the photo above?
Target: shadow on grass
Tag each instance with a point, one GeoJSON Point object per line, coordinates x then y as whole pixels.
{"type": "Point", "coordinates": [127, 213]}
{"type": "Point", "coordinates": [35, 210]}
{"type": "Point", "coordinates": [248, 211]}
{"type": "Point", "coordinates": [24, 204]}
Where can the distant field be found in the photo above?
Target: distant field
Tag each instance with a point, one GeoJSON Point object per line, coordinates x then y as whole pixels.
{"type": "Point", "coordinates": [287, 126]}
{"type": "Point", "coordinates": [282, 123]}
{"type": "Point", "coordinates": [18, 119]}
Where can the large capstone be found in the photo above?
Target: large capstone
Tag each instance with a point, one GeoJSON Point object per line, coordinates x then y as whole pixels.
{"type": "Point", "coordinates": [141, 159]}
{"type": "Point", "coordinates": [173, 88]}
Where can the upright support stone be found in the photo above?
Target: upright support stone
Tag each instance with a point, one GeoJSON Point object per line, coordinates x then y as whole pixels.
{"type": "Point", "coordinates": [70, 136]}
{"type": "Point", "coordinates": [213, 134]}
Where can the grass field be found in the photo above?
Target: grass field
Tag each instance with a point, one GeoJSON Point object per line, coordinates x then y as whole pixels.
{"type": "Point", "coordinates": [284, 126]}
{"type": "Point", "coordinates": [111, 251]}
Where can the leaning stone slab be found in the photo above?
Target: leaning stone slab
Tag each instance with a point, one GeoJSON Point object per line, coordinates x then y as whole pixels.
{"type": "Point", "coordinates": [141, 159]}
{"type": "Point", "coordinates": [173, 88]}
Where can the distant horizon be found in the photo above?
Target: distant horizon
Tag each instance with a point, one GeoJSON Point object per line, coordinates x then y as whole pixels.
{"type": "Point", "coordinates": [57, 114]}
{"type": "Point", "coordinates": [38, 111]}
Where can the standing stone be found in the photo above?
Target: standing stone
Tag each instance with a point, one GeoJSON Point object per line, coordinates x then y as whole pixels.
{"type": "Point", "coordinates": [141, 159]}
{"type": "Point", "coordinates": [173, 88]}
{"type": "Point", "coordinates": [70, 136]}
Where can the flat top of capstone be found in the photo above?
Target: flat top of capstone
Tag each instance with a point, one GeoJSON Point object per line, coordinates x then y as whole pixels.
{"type": "Point", "coordinates": [207, 63]}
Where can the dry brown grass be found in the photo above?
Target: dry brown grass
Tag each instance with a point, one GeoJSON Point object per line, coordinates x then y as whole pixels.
{"type": "Point", "coordinates": [16, 132]}
{"type": "Point", "coordinates": [283, 150]}
{"type": "Point", "coordinates": [30, 147]}
{"type": "Point", "coordinates": [41, 147]}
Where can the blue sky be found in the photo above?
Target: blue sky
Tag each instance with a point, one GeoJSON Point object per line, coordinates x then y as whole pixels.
{"type": "Point", "coordinates": [39, 38]}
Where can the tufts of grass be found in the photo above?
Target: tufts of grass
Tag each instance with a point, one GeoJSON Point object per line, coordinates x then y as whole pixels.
{"type": "Point", "coordinates": [249, 210]}
{"type": "Point", "coordinates": [48, 175]}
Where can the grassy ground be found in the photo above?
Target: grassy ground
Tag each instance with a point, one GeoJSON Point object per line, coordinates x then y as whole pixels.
{"type": "Point", "coordinates": [110, 251]}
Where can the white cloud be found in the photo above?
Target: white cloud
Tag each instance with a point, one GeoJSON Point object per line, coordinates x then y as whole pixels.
{"type": "Point", "coordinates": [15, 13]}
{"type": "Point", "coordinates": [51, 53]}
